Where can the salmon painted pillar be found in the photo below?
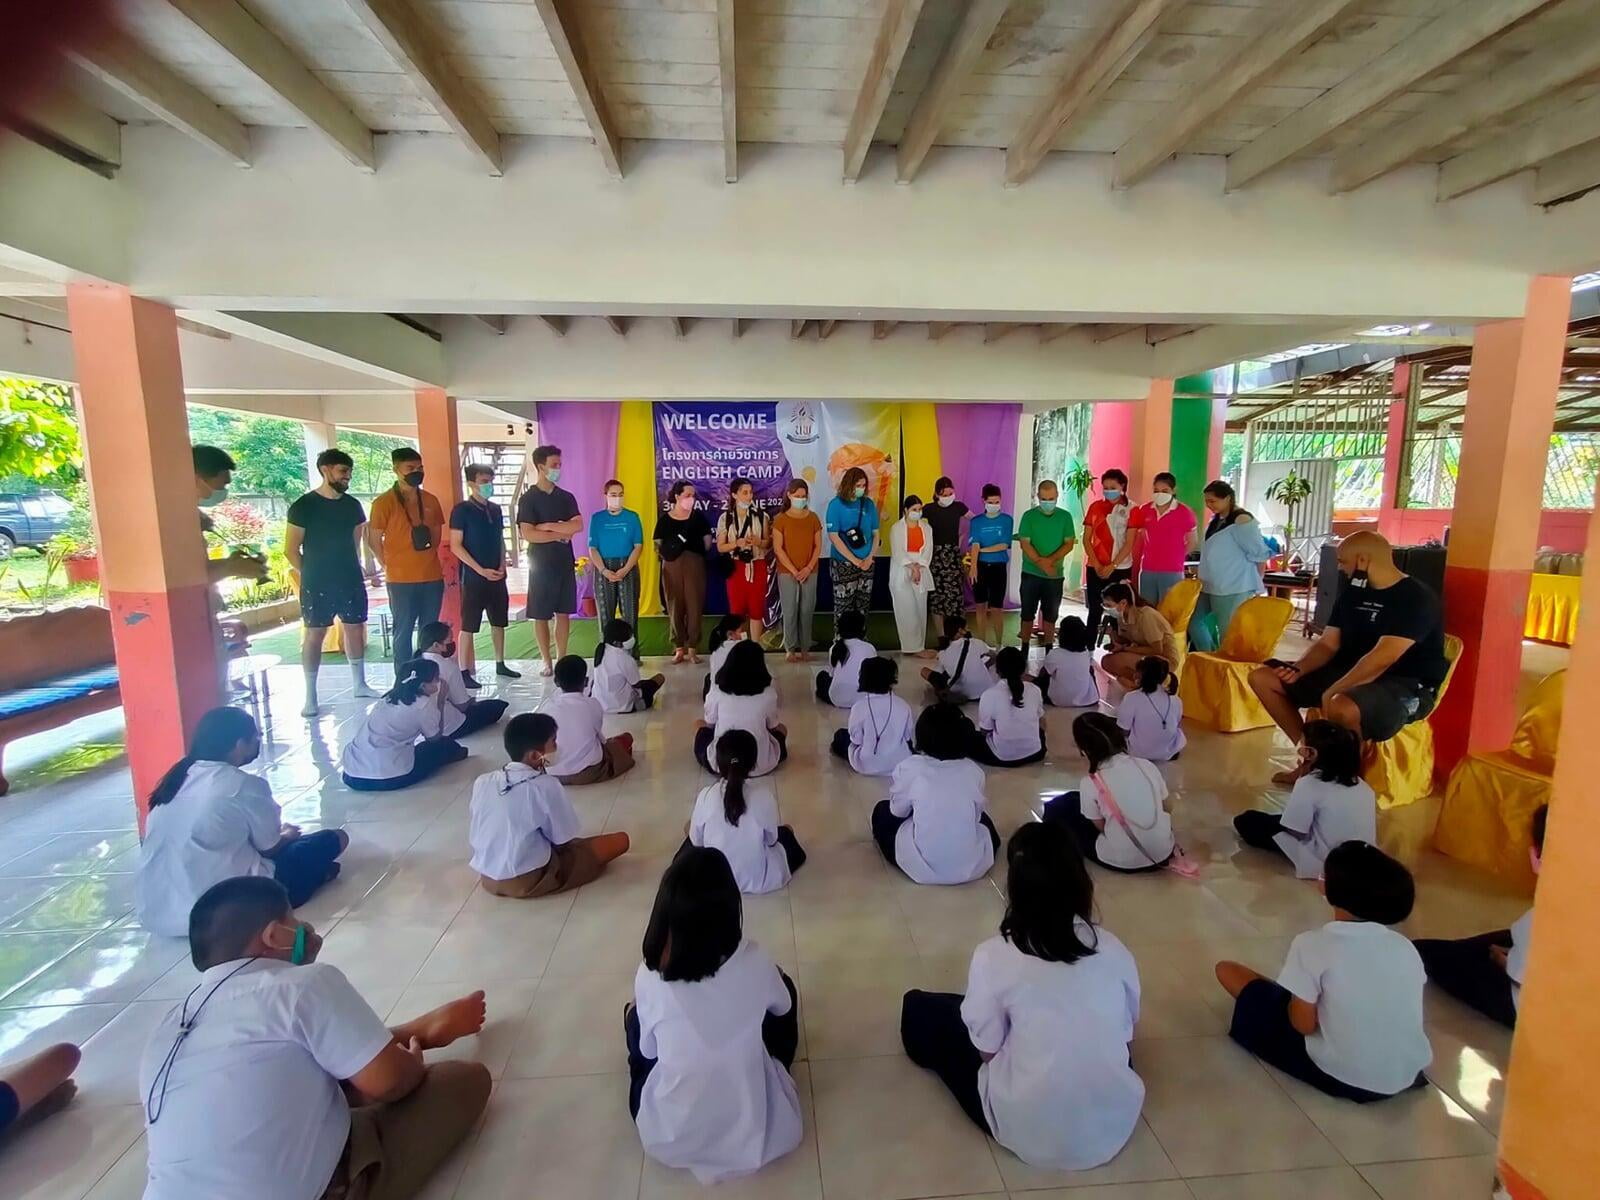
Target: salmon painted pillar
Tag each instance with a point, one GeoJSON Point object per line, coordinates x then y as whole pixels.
{"type": "Point", "coordinates": [152, 555]}
{"type": "Point", "coordinates": [1110, 437]}
{"type": "Point", "coordinates": [439, 441]}
{"type": "Point", "coordinates": [1505, 439]}
{"type": "Point", "coordinates": [1547, 1148]}
{"type": "Point", "coordinates": [1150, 438]}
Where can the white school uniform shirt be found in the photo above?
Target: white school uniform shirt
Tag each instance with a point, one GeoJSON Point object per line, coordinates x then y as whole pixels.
{"type": "Point", "coordinates": [881, 729]}
{"type": "Point", "coordinates": [383, 746]}
{"type": "Point", "coordinates": [844, 689]}
{"type": "Point", "coordinates": [215, 828]}
{"type": "Point", "coordinates": [517, 814]}
{"type": "Point", "coordinates": [720, 656]}
{"type": "Point", "coordinates": [252, 1108]}
{"type": "Point", "coordinates": [716, 1102]}
{"type": "Point", "coordinates": [1366, 981]}
{"type": "Point", "coordinates": [1059, 1091]}
{"type": "Point", "coordinates": [613, 680]}
{"type": "Point", "coordinates": [1517, 956]}
{"type": "Point", "coordinates": [1140, 792]}
{"type": "Point", "coordinates": [1072, 682]}
{"type": "Point", "coordinates": [1153, 723]}
{"type": "Point", "coordinates": [1012, 732]}
{"type": "Point", "coordinates": [580, 732]}
{"type": "Point", "coordinates": [453, 694]}
{"type": "Point", "coordinates": [976, 676]}
{"type": "Point", "coordinates": [751, 847]}
{"type": "Point", "coordinates": [754, 714]}
{"type": "Point", "coordinates": [942, 841]}
{"type": "Point", "coordinates": [1325, 815]}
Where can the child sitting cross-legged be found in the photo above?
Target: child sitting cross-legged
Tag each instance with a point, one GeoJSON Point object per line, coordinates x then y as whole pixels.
{"type": "Point", "coordinates": [1330, 804]}
{"type": "Point", "coordinates": [1010, 715]}
{"type": "Point", "coordinates": [1067, 676]}
{"type": "Point", "coordinates": [1345, 1014]}
{"type": "Point", "coordinates": [463, 715]}
{"type": "Point", "coordinates": [933, 825]}
{"type": "Point", "coordinates": [524, 832]}
{"type": "Point", "coordinates": [963, 672]}
{"type": "Point", "coordinates": [725, 635]}
{"type": "Point", "coordinates": [584, 754]}
{"type": "Point", "coordinates": [877, 738]}
{"type": "Point", "coordinates": [738, 815]}
{"type": "Point", "coordinates": [840, 684]}
{"type": "Point", "coordinates": [616, 682]}
{"type": "Point", "coordinates": [1118, 812]}
{"type": "Point", "coordinates": [743, 697]}
{"type": "Point", "coordinates": [1152, 715]}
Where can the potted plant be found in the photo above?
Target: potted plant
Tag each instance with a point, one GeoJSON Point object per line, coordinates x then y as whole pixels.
{"type": "Point", "coordinates": [586, 604]}
{"type": "Point", "coordinates": [78, 559]}
{"type": "Point", "coordinates": [1291, 491]}
{"type": "Point", "coordinates": [1077, 481]}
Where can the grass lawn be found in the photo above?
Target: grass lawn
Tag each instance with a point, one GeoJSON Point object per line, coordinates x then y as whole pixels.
{"type": "Point", "coordinates": [22, 582]}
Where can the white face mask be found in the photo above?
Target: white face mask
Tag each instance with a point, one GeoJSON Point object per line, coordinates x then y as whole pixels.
{"type": "Point", "coordinates": [992, 507]}
{"type": "Point", "coordinates": [613, 503]}
{"type": "Point", "coordinates": [914, 516]}
{"type": "Point", "coordinates": [742, 505]}
{"type": "Point", "coordinates": [1161, 499]}
{"type": "Point", "coordinates": [628, 645]}
{"type": "Point", "coordinates": [946, 501]}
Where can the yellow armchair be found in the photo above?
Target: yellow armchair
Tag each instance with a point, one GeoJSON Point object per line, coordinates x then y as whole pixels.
{"type": "Point", "coordinates": [1490, 799]}
{"type": "Point", "coordinates": [1178, 606]}
{"type": "Point", "coordinates": [1215, 688]}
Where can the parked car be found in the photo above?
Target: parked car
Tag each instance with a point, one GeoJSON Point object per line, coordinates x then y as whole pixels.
{"type": "Point", "coordinates": [30, 520]}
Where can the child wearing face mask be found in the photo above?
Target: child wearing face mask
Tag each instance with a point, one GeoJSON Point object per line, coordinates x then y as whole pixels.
{"type": "Point", "coordinates": [911, 577]}
{"type": "Point", "coordinates": [616, 682]}
{"type": "Point", "coordinates": [463, 716]}
{"type": "Point", "coordinates": [1151, 714]}
{"type": "Point", "coordinates": [1330, 804]}
{"type": "Point", "coordinates": [1164, 531]}
{"type": "Point", "coordinates": [401, 739]}
{"type": "Point", "coordinates": [989, 538]}
{"type": "Point", "coordinates": [524, 832]}
{"type": "Point", "coordinates": [725, 634]}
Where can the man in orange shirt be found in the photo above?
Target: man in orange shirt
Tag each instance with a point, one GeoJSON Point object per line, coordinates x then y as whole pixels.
{"type": "Point", "coordinates": [404, 528]}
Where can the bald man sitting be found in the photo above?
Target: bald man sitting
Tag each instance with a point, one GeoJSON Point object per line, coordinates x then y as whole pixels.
{"type": "Point", "coordinates": [1378, 665]}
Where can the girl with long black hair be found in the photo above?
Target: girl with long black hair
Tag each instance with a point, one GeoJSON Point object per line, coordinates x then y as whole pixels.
{"type": "Point", "coordinates": [1151, 714]}
{"type": "Point", "coordinates": [738, 815]}
{"type": "Point", "coordinates": [840, 684]}
{"type": "Point", "coordinates": [1010, 715]}
{"type": "Point", "coordinates": [1118, 810]}
{"type": "Point", "coordinates": [401, 740]}
{"type": "Point", "coordinates": [743, 697]}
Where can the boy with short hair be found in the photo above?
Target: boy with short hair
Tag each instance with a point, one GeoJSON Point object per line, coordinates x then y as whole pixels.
{"type": "Point", "coordinates": [989, 536]}
{"type": "Point", "coordinates": [583, 752]}
{"type": "Point", "coordinates": [1345, 1014]}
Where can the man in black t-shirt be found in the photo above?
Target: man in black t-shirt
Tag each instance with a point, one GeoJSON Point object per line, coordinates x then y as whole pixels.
{"type": "Point", "coordinates": [322, 543]}
{"type": "Point", "coordinates": [477, 538]}
{"type": "Point", "coordinates": [548, 519]}
{"type": "Point", "coordinates": [1378, 665]}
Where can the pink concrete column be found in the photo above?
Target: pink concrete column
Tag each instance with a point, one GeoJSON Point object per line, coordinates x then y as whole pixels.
{"type": "Point", "coordinates": [1505, 439]}
{"type": "Point", "coordinates": [439, 441]}
{"type": "Point", "coordinates": [1110, 437]}
{"type": "Point", "coordinates": [152, 555]}
{"type": "Point", "coordinates": [1150, 440]}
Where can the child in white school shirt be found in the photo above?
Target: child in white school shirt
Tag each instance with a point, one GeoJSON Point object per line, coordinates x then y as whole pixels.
{"type": "Point", "coordinates": [933, 825]}
{"type": "Point", "coordinates": [1345, 1015]}
{"type": "Point", "coordinates": [877, 738]}
{"type": "Point", "coordinates": [616, 681]}
{"type": "Point", "coordinates": [1152, 715]}
{"type": "Point", "coordinates": [401, 740]}
{"type": "Point", "coordinates": [524, 833]}
{"type": "Point", "coordinates": [712, 1031]}
{"type": "Point", "coordinates": [1036, 1052]}
{"type": "Point", "coordinates": [463, 715]}
{"type": "Point", "coordinates": [738, 815]}
{"type": "Point", "coordinates": [1067, 676]}
{"type": "Point", "coordinates": [1330, 804]}
{"type": "Point", "coordinates": [1010, 715]}
{"type": "Point", "coordinates": [1141, 838]}
{"type": "Point", "coordinates": [963, 672]}
{"type": "Point", "coordinates": [584, 754]}
{"type": "Point", "coordinates": [743, 697]}
{"type": "Point", "coordinates": [725, 634]}
{"type": "Point", "coordinates": [840, 684]}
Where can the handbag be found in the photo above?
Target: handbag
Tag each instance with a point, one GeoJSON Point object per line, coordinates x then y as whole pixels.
{"type": "Point", "coordinates": [854, 537]}
{"type": "Point", "coordinates": [1179, 862]}
{"type": "Point", "coordinates": [421, 535]}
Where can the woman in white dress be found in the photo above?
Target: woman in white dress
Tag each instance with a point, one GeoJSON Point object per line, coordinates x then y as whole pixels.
{"type": "Point", "coordinates": [911, 577]}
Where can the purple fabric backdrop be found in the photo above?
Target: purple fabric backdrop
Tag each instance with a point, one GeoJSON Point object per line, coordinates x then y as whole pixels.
{"type": "Point", "coordinates": [978, 445]}
{"type": "Point", "coordinates": [586, 431]}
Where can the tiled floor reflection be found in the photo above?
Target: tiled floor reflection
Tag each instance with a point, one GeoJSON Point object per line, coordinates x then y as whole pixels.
{"type": "Point", "coordinates": [408, 926]}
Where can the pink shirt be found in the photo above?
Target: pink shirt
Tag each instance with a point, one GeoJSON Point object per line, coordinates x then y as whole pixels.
{"type": "Point", "coordinates": [1166, 535]}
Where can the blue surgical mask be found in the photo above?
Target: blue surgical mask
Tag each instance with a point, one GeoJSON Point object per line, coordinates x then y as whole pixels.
{"type": "Point", "coordinates": [1112, 494]}
{"type": "Point", "coordinates": [798, 503]}
{"type": "Point", "coordinates": [1047, 506]}
{"type": "Point", "coordinates": [216, 498]}
{"type": "Point", "coordinates": [553, 474]}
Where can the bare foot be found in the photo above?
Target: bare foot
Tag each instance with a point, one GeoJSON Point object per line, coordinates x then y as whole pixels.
{"type": "Point", "coordinates": [52, 1103]}
{"type": "Point", "coordinates": [694, 657]}
{"type": "Point", "coordinates": [927, 654]}
{"type": "Point", "coordinates": [548, 671]}
{"type": "Point", "coordinates": [445, 1024]}
{"type": "Point", "coordinates": [678, 655]}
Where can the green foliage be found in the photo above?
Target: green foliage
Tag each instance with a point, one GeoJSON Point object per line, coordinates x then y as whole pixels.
{"type": "Point", "coordinates": [1291, 491]}
{"type": "Point", "coordinates": [270, 451]}
{"type": "Point", "coordinates": [1078, 480]}
{"type": "Point", "coordinates": [38, 433]}
{"type": "Point", "coordinates": [274, 587]}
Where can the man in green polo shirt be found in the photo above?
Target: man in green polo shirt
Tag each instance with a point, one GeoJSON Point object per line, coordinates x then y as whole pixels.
{"type": "Point", "coordinates": [1047, 536]}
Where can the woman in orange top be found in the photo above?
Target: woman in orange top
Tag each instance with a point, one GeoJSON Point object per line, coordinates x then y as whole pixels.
{"type": "Point", "coordinates": [911, 577]}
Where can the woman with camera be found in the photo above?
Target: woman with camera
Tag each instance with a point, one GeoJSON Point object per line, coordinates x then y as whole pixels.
{"type": "Point", "coordinates": [744, 535]}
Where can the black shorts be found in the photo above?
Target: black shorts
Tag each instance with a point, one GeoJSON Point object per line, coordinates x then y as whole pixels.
{"type": "Point", "coordinates": [480, 597]}
{"type": "Point", "coordinates": [990, 586]}
{"type": "Point", "coordinates": [320, 603]}
{"type": "Point", "coordinates": [552, 591]}
{"type": "Point", "coordinates": [1388, 704]}
{"type": "Point", "coordinates": [1041, 595]}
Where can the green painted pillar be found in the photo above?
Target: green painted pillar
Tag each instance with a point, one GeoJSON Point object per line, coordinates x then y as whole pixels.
{"type": "Point", "coordinates": [1191, 432]}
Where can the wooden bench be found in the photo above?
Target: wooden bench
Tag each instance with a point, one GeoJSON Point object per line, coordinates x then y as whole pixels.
{"type": "Point", "coordinates": [54, 668]}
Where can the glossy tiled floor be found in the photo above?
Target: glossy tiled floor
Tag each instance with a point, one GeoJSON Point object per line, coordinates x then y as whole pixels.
{"type": "Point", "coordinates": [408, 926]}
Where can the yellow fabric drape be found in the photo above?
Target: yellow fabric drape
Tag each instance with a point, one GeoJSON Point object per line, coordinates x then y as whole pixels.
{"type": "Point", "coordinates": [1552, 608]}
{"type": "Point", "coordinates": [636, 469]}
{"type": "Point", "coordinates": [1539, 727]}
{"type": "Point", "coordinates": [1178, 606]}
{"type": "Point", "coordinates": [1257, 625]}
{"type": "Point", "coordinates": [919, 448]}
{"type": "Point", "coordinates": [1215, 688]}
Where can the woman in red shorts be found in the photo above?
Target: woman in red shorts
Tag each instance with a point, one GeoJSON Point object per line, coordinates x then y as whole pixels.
{"type": "Point", "coordinates": [745, 535]}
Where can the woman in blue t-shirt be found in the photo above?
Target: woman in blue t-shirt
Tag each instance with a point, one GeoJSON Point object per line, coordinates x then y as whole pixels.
{"type": "Point", "coordinates": [616, 539]}
{"type": "Point", "coordinates": [852, 527]}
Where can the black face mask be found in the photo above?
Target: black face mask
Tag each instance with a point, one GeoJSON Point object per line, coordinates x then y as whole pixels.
{"type": "Point", "coordinates": [448, 650]}
{"type": "Point", "coordinates": [339, 485]}
{"type": "Point", "coordinates": [414, 478]}
{"type": "Point", "coordinates": [1358, 577]}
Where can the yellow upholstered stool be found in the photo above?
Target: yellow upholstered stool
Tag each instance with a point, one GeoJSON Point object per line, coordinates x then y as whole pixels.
{"type": "Point", "coordinates": [1491, 798]}
{"type": "Point", "coordinates": [1215, 688]}
{"type": "Point", "coordinates": [1177, 606]}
